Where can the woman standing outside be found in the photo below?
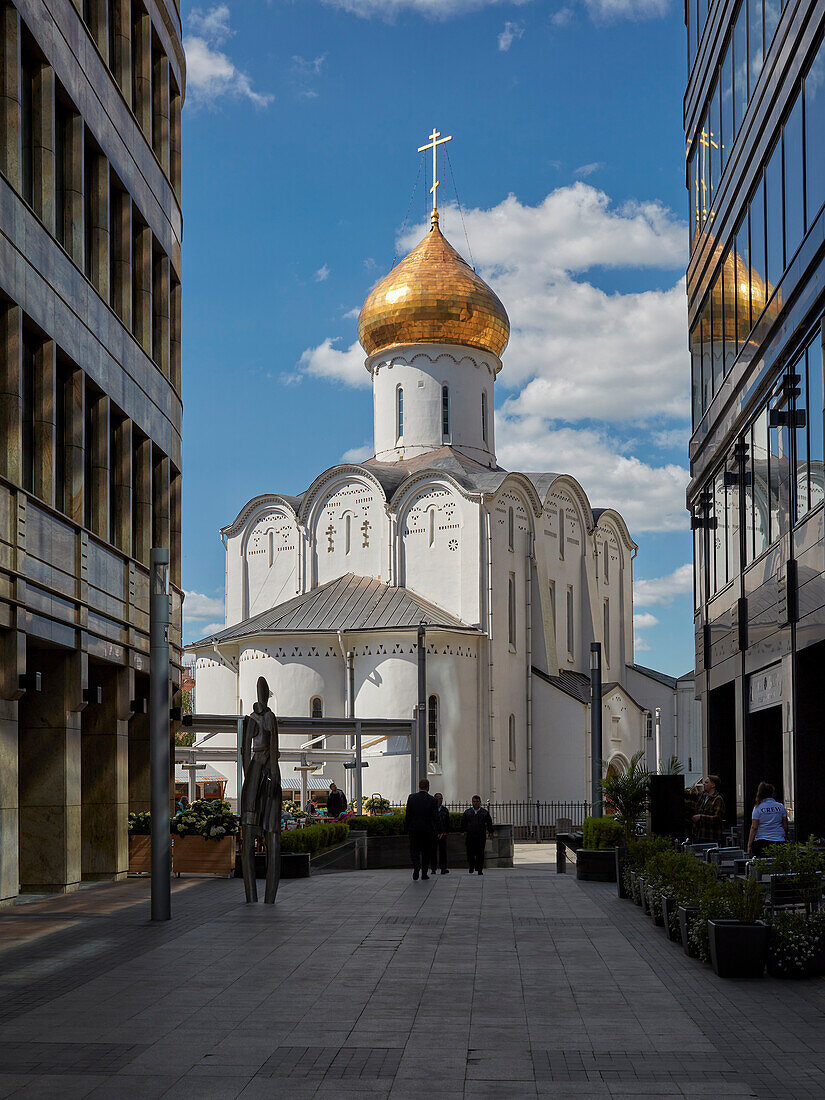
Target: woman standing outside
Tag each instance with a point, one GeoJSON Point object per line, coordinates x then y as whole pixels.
{"type": "Point", "coordinates": [770, 821]}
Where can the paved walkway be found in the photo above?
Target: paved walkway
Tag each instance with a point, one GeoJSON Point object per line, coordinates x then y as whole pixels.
{"type": "Point", "coordinates": [519, 984]}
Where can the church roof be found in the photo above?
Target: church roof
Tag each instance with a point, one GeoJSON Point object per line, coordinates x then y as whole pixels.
{"type": "Point", "coordinates": [577, 685]}
{"type": "Point", "coordinates": [472, 475]}
{"type": "Point", "coordinates": [347, 603]}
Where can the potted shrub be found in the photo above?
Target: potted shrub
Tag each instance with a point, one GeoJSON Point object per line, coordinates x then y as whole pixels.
{"type": "Point", "coordinates": [376, 805]}
{"type": "Point", "coordinates": [670, 916]}
{"type": "Point", "coordinates": [687, 917]}
{"type": "Point", "coordinates": [204, 838]}
{"type": "Point", "coordinates": [739, 943]}
{"type": "Point", "coordinates": [796, 945]}
{"type": "Point", "coordinates": [596, 859]}
{"type": "Point", "coordinates": [140, 843]}
{"type": "Point", "coordinates": [625, 795]}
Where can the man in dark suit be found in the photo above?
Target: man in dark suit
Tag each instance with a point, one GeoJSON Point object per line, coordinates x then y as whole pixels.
{"type": "Point", "coordinates": [439, 852]}
{"type": "Point", "coordinates": [421, 822]}
{"type": "Point", "coordinates": [476, 825]}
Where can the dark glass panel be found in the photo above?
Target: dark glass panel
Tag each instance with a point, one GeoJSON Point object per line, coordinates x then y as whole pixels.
{"type": "Point", "coordinates": [772, 13]}
{"type": "Point", "coordinates": [775, 263]}
{"type": "Point", "coordinates": [815, 136]}
{"type": "Point", "coordinates": [705, 181]}
{"type": "Point", "coordinates": [816, 450]}
{"type": "Point", "coordinates": [726, 99]}
{"type": "Point", "coordinates": [693, 197]}
{"type": "Point", "coordinates": [718, 330]}
{"type": "Point", "coordinates": [707, 354]}
{"type": "Point", "coordinates": [802, 496]}
{"type": "Point", "coordinates": [740, 64]}
{"type": "Point", "coordinates": [756, 50]}
{"type": "Point", "coordinates": [732, 527]}
{"type": "Point", "coordinates": [27, 414]}
{"type": "Point", "coordinates": [777, 475]}
{"type": "Point", "coordinates": [730, 290]}
{"type": "Point", "coordinates": [714, 144]}
{"type": "Point", "coordinates": [719, 539]}
{"type": "Point", "coordinates": [759, 291]}
{"type": "Point", "coordinates": [794, 187]}
{"type": "Point", "coordinates": [696, 371]}
{"type": "Point", "coordinates": [761, 501]}
{"type": "Point", "coordinates": [743, 323]}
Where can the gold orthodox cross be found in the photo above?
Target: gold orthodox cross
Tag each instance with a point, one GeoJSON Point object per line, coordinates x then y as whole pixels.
{"type": "Point", "coordinates": [435, 141]}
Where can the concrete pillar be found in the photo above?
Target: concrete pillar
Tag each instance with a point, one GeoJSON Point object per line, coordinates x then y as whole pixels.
{"type": "Point", "coordinates": [175, 335]}
{"type": "Point", "coordinates": [43, 147]}
{"type": "Point", "coordinates": [73, 174]}
{"type": "Point", "coordinates": [49, 775]}
{"type": "Point", "coordinates": [142, 61]}
{"type": "Point", "coordinates": [121, 62]}
{"type": "Point", "coordinates": [105, 775]}
{"type": "Point", "coordinates": [160, 501]}
{"type": "Point", "coordinates": [122, 503]}
{"type": "Point", "coordinates": [98, 15]}
{"type": "Point", "coordinates": [98, 179]}
{"type": "Point", "coordinates": [161, 326]}
{"type": "Point", "coordinates": [160, 110]}
{"type": "Point", "coordinates": [74, 491]}
{"type": "Point", "coordinates": [10, 95]}
{"type": "Point", "coordinates": [45, 420]}
{"type": "Point", "coordinates": [142, 294]}
{"type": "Point", "coordinates": [11, 393]}
{"type": "Point", "coordinates": [99, 444]}
{"type": "Point", "coordinates": [121, 245]}
{"type": "Point", "coordinates": [175, 549]}
{"type": "Point", "coordinates": [12, 664]}
{"type": "Point", "coordinates": [142, 488]}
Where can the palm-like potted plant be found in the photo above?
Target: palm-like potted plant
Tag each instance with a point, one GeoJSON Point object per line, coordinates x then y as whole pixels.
{"type": "Point", "coordinates": [625, 796]}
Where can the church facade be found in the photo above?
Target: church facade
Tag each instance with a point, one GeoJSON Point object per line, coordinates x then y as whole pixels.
{"type": "Point", "coordinates": [512, 574]}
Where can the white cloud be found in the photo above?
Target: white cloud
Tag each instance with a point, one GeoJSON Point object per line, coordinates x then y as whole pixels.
{"type": "Point", "coordinates": [640, 645]}
{"type": "Point", "coordinates": [562, 18]}
{"type": "Point", "coordinates": [210, 73]}
{"type": "Point", "coordinates": [322, 274]}
{"type": "Point", "coordinates": [663, 590]}
{"type": "Point", "coordinates": [308, 67]}
{"type": "Point", "coordinates": [212, 628]}
{"type": "Point", "coordinates": [585, 170]}
{"type": "Point", "coordinates": [358, 454]}
{"type": "Point", "coordinates": [644, 621]}
{"type": "Point", "coordinates": [650, 498]}
{"type": "Point", "coordinates": [433, 9]}
{"type": "Point", "coordinates": [511, 32]}
{"type": "Point", "coordinates": [198, 606]}
{"type": "Point", "coordinates": [326, 361]}
{"type": "Point", "coordinates": [603, 11]}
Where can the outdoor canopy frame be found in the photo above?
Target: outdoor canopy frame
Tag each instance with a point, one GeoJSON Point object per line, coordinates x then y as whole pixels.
{"type": "Point", "coordinates": [307, 754]}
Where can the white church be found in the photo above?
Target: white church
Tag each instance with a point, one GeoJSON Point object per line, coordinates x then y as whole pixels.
{"type": "Point", "coordinates": [513, 575]}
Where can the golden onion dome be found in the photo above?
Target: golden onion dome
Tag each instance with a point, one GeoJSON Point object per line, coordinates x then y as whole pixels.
{"type": "Point", "coordinates": [433, 297]}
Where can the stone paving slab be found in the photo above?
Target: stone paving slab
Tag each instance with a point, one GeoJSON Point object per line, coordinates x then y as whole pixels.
{"type": "Point", "coordinates": [523, 983]}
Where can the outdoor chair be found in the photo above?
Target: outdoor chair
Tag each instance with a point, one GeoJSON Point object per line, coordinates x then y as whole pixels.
{"type": "Point", "coordinates": [699, 850]}
{"type": "Point", "coordinates": [792, 891]}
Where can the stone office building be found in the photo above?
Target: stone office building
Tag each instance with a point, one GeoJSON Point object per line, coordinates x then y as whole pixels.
{"type": "Point", "coordinates": [90, 419]}
{"type": "Point", "coordinates": [755, 131]}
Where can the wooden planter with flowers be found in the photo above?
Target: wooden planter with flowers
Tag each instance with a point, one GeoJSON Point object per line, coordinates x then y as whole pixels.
{"type": "Point", "coordinates": [140, 855]}
{"type": "Point", "coordinates": [195, 855]}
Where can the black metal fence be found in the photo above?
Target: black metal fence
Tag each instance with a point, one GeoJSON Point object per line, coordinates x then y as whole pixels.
{"type": "Point", "coordinates": [534, 820]}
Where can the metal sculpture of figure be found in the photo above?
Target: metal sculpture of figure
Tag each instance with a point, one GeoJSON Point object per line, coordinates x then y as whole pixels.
{"type": "Point", "coordinates": [261, 795]}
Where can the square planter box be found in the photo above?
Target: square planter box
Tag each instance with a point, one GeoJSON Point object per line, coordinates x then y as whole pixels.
{"type": "Point", "coordinates": [140, 855]}
{"type": "Point", "coordinates": [654, 906]}
{"type": "Point", "coordinates": [621, 890]}
{"type": "Point", "coordinates": [738, 950]}
{"type": "Point", "coordinates": [195, 855]}
{"type": "Point", "coordinates": [596, 864]}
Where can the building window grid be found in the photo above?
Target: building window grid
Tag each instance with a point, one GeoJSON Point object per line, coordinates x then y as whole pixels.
{"type": "Point", "coordinates": [785, 202]}
{"type": "Point", "coordinates": [511, 610]}
{"type": "Point", "coordinates": [316, 707]}
{"type": "Point", "coordinates": [445, 410]}
{"type": "Point", "coordinates": [399, 412]}
{"type": "Point", "coordinates": [432, 730]}
{"type": "Point", "coordinates": [511, 741]}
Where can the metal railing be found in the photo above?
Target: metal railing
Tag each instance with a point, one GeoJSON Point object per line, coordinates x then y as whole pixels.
{"type": "Point", "coordinates": [534, 820]}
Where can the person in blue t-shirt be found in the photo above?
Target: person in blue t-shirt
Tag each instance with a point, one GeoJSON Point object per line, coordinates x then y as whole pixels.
{"type": "Point", "coordinates": [770, 821]}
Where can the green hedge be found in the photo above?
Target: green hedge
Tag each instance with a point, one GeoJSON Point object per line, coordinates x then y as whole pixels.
{"type": "Point", "coordinates": [602, 832]}
{"type": "Point", "coordinates": [386, 825]}
{"type": "Point", "coordinates": [314, 837]}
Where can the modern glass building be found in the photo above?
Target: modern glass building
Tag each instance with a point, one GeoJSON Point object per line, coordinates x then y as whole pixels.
{"type": "Point", "coordinates": [755, 154]}
{"type": "Point", "coordinates": [90, 420]}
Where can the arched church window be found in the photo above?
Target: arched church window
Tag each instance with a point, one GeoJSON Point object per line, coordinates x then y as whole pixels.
{"type": "Point", "coordinates": [445, 410]}
{"type": "Point", "coordinates": [511, 738]}
{"type": "Point", "coordinates": [561, 532]}
{"type": "Point", "coordinates": [510, 528]}
{"type": "Point", "coordinates": [316, 707]}
{"type": "Point", "coordinates": [271, 541]}
{"type": "Point", "coordinates": [511, 610]}
{"type": "Point", "coordinates": [431, 526]}
{"type": "Point", "coordinates": [347, 533]}
{"type": "Point", "coordinates": [432, 729]}
{"type": "Point", "coordinates": [606, 615]}
{"type": "Point", "coordinates": [484, 415]}
{"type": "Point", "coordinates": [399, 412]}
{"type": "Point", "coordinates": [606, 570]}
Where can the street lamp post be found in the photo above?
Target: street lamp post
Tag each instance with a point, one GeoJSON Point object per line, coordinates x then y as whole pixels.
{"type": "Point", "coordinates": [596, 728]}
{"type": "Point", "coordinates": [159, 758]}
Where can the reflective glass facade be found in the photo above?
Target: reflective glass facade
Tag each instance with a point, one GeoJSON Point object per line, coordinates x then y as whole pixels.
{"type": "Point", "coordinates": [755, 173]}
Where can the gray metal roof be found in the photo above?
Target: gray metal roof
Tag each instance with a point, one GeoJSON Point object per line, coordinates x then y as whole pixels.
{"type": "Point", "coordinates": [347, 603]}
{"type": "Point", "coordinates": [660, 677]}
{"type": "Point", "coordinates": [577, 685]}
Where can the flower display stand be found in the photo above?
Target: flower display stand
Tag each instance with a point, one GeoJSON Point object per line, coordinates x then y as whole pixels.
{"type": "Point", "coordinates": [195, 855]}
{"type": "Point", "coordinates": [140, 855]}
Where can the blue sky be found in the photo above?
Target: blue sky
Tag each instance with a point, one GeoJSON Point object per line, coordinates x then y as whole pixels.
{"type": "Point", "coordinates": [301, 127]}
